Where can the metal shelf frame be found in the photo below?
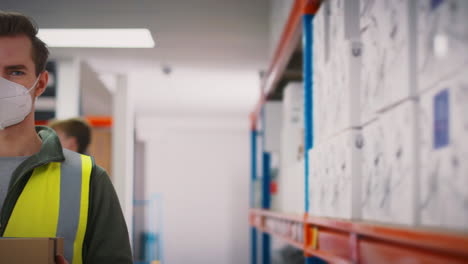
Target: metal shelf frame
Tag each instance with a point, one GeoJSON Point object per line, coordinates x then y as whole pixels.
{"type": "Point", "coordinates": [344, 241]}
{"type": "Point", "coordinates": [326, 239]}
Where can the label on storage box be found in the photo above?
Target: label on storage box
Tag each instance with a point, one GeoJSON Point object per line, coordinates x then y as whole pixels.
{"type": "Point", "coordinates": [441, 119]}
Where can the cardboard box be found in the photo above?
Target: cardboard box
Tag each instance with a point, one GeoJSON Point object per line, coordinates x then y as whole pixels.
{"type": "Point", "coordinates": [272, 122]}
{"type": "Point", "coordinates": [334, 176]}
{"type": "Point", "coordinates": [390, 166]}
{"type": "Point", "coordinates": [30, 250]}
{"type": "Point", "coordinates": [344, 20]}
{"type": "Point", "coordinates": [347, 164]}
{"type": "Point", "coordinates": [320, 43]}
{"type": "Point", "coordinates": [336, 68]}
{"type": "Point", "coordinates": [291, 173]}
{"type": "Point", "coordinates": [444, 154]}
{"type": "Point", "coordinates": [373, 164]}
{"type": "Point", "coordinates": [442, 40]}
{"type": "Point", "coordinates": [292, 132]}
{"type": "Point", "coordinates": [336, 92]}
{"type": "Point", "coordinates": [314, 181]}
{"type": "Point", "coordinates": [291, 187]}
{"type": "Point", "coordinates": [389, 54]}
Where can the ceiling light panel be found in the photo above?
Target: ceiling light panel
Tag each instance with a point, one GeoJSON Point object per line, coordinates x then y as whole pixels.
{"type": "Point", "coordinates": [97, 38]}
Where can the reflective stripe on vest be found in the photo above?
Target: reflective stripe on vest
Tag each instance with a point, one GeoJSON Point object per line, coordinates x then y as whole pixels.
{"type": "Point", "coordinates": [54, 203]}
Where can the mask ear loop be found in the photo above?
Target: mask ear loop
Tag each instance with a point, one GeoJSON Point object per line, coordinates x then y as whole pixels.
{"type": "Point", "coordinates": [35, 83]}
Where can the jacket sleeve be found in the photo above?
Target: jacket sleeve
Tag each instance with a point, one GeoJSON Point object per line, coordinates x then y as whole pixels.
{"type": "Point", "coordinates": [106, 239]}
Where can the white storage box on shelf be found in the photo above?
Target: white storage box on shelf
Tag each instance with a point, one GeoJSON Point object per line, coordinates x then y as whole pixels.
{"type": "Point", "coordinates": [388, 34]}
{"type": "Point", "coordinates": [319, 45]}
{"type": "Point", "coordinates": [373, 169]}
{"type": "Point", "coordinates": [336, 68]}
{"type": "Point", "coordinates": [319, 178]}
{"type": "Point", "coordinates": [442, 40]}
{"type": "Point", "coordinates": [444, 154]}
{"type": "Point", "coordinates": [291, 180]}
{"type": "Point", "coordinates": [344, 77]}
{"type": "Point", "coordinates": [390, 166]}
{"type": "Point", "coordinates": [334, 179]}
{"type": "Point", "coordinates": [291, 188]}
{"type": "Point", "coordinates": [315, 181]}
{"type": "Point", "coordinates": [292, 136]}
{"type": "Point", "coordinates": [272, 123]}
{"type": "Point", "coordinates": [344, 20]}
{"type": "Point", "coordinates": [347, 164]}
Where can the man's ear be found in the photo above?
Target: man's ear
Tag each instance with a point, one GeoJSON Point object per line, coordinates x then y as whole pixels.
{"type": "Point", "coordinates": [73, 143]}
{"type": "Point", "coordinates": [41, 83]}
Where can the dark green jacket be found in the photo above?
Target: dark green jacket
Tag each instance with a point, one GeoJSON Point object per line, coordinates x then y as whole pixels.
{"type": "Point", "coordinates": [106, 239]}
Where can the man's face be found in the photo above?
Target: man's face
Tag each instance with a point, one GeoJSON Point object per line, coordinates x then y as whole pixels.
{"type": "Point", "coordinates": [16, 63]}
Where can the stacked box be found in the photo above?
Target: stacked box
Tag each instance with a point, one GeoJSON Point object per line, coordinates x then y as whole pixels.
{"type": "Point", "coordinates": [315, 181]}
{"type": "Point", "coordinates": [442, 40]}
{"type": "Point", "coordinates": [444, 154]}
{"type": "Point", "coordinates": [334, 179]}
{"type": "Point", "coordinates": [292, 136]}
{"type": "Point", "coordinates": [321, 73]}
{"type": "Point", "coordinates": [388, 30]}
{"type": "Point", "coordinates": [347, 169]}
{"type": "Point", "coordinates": [291, 187]}
{"type": "Point", "coordinates": [319, 45]}
{"type": "Point", "coordinates": [344, 20]}
{"type": "Point", "coordinates": [373, 165]}
{"type": "Point", "coordinates": [336, 68]}
{"type": "Point", "coordinates": [324, 179]}
{"type": "Point", "coordinates": [292, 150]}
{"type": "Point", "coordinates": [272, 123]}
{"type": "Point", "coordinates": [390, 166]}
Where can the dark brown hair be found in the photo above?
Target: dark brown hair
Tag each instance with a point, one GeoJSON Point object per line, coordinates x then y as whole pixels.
{"type": "Point", "coordinates": [77, 128]}
{"type": "Point", "coordinates": [16, 24]}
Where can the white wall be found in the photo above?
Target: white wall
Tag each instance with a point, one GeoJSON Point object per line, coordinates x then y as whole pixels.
{"type": "Point", "coordinates": [201, 168]}
{"type": "Point", "coordinates": [195, 91]}
{"type": "Point", "coordinates": [195, 126]}
{"type": "Point", "coordinates": [96, 99]}
{"type": "Point", "coordinates": [68, 88]}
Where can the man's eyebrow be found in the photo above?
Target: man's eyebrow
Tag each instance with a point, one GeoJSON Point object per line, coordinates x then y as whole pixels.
{"type": "Point", "coordinates": [16, 67]}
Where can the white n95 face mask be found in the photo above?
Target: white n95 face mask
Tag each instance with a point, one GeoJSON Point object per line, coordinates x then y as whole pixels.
{"type": "Point", "coordinates": [15, 102]}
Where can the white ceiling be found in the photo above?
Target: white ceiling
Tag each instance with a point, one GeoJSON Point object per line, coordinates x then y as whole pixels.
{"type": "Point", "coordinates": [225, 35]}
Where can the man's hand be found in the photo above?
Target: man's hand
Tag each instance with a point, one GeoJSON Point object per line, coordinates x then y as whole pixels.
{"type": "Point", "coordinates": [59, 259]}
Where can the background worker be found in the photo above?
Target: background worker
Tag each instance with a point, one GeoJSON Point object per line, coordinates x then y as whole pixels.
{"type": "Point", "coordinates": [74, 134]}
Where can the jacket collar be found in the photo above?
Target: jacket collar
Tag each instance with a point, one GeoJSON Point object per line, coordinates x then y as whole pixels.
{"type": "Point", "coordinates": [51, 149]}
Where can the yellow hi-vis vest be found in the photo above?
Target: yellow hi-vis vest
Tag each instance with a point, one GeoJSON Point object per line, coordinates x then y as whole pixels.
{"type": "Point", "coordinates": [54, 203]}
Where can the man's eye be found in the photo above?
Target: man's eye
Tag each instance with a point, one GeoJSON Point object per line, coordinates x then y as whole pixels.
{"type": "Point", "coordinates": [17, 73]}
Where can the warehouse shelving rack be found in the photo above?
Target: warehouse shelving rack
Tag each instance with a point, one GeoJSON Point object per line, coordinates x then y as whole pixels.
{"type": "Point", "coordinates": [330, 240]}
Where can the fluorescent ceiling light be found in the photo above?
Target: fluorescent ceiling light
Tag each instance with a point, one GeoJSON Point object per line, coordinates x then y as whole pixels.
{"type": "Point", "coordinates": [97, 38]}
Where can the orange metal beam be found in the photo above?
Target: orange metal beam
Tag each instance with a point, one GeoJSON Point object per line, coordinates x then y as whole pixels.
{"type": "Point", "coordinates": [94, 121]}
{"type": "Point", "coordinates": [342, 241]}
{"type": "Point", "coordinates": [289, 38]}
{"type": "Point", "coordinates": [312, 6]}
{"type": "Point", "coordinates": [288, 42]}
{"type": "Point", "coordinates": [99, 121]}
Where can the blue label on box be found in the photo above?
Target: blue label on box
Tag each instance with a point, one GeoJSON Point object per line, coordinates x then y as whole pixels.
{"type": "Point", "coordinates": [441, 119]}
{"type": "Point", "coordinates": [436, 3]}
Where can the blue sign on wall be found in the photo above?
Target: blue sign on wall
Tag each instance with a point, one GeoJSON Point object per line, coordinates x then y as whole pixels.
{"type": "Point", "coordinates": [441, 119]}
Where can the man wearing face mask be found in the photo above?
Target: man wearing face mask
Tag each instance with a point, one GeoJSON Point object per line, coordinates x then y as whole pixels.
{"type": "Point", "coordinates": [47, 191]}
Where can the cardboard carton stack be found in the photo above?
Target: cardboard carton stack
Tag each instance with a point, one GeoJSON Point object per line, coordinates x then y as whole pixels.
{"type": "Point", "coordinates": [30, 250]}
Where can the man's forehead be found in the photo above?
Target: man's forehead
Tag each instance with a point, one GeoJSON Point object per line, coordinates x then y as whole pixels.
{"type": "Point", "coordinates": [15, 51]}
